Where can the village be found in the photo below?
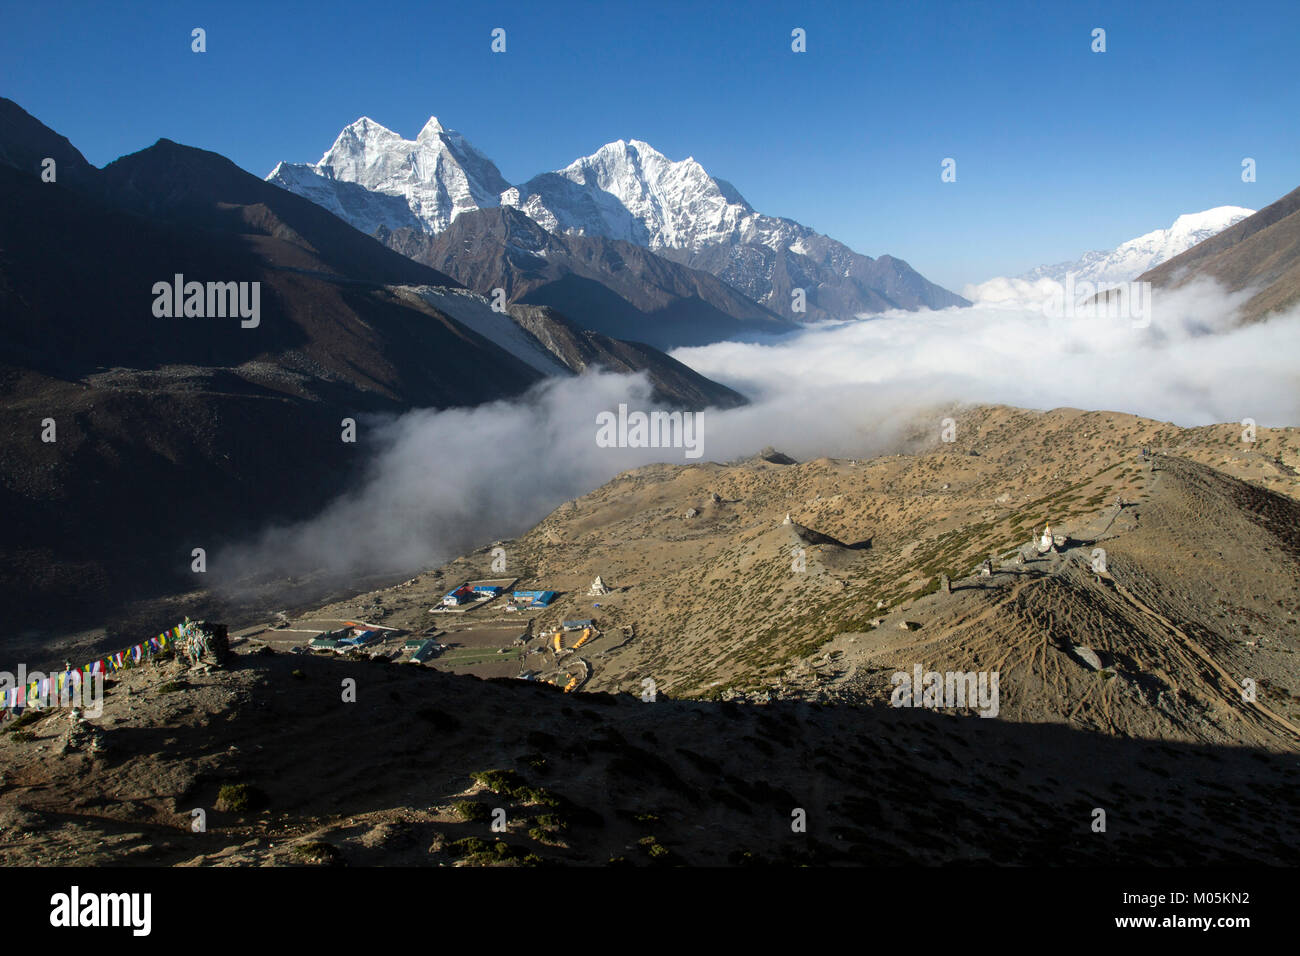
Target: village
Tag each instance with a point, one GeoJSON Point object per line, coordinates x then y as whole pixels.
{"type": "Point", "coordinates": [487, 628]}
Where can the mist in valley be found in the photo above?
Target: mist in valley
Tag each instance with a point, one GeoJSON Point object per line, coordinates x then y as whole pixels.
{"type": "Point", "coordinates": [443, 483]}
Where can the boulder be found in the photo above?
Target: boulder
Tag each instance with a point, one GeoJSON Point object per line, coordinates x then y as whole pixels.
{"type": "Point", "coordinates": [1087, 655]}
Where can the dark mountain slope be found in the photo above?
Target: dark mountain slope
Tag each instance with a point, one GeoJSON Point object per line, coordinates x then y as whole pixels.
{"type": "Point", "coordinates": [76, 279]}
{"type": "Point", "coordinates": [172, 432]}
{"type": "Point", "coordinates": [677, 782]}
{"type": "Point", "coordinates": [674, 383]}
{"type": "Point", "coordinates": [26, 142]}
{"type": "Point", "coordinates": [613, 287]}
{"type": "Point", "coordinates": [178, 183]}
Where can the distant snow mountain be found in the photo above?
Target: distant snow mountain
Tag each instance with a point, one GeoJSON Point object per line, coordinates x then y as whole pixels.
{"type": "Point", "coordinates": [629, 190]}
{"type": "Point", "coordinates": [1121, 264]}
{"type": "Point", "coordinates": [1259, 256]}
{"type": "Point", "coordinates": [626, 190]}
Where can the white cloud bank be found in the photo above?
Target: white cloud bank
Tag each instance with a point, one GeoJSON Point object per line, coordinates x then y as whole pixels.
{"type": "Point", "coordinates": [444, 483]}
{"type": "Point", "coordinates": [1190, 364]}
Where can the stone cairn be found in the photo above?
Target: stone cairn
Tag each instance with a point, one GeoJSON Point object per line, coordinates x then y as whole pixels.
{"type": "Point", "coordinates": [203, 643]}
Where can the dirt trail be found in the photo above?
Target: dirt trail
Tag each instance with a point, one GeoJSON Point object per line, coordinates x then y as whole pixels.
{"type": "Point", "coordinates": [1231, 696]}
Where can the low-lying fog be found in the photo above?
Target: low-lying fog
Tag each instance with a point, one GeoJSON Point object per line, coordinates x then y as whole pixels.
{"type": "Point", "coordinates": [446, 482]}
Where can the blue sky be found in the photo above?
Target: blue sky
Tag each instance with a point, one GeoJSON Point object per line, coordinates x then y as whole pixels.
{"type": "Point", "coordinates": [1058, 149]}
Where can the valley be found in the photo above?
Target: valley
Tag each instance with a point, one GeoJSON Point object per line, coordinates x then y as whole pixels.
{"type": "Point", "coordinates": [415, 511]}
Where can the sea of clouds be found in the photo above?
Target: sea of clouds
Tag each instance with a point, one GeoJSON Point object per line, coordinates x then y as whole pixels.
{"type": "Point", "coordinates": [442, 483]}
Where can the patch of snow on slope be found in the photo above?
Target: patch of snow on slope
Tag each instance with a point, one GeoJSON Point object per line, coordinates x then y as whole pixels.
{"type": "Point", "coordinates": [472, 310]}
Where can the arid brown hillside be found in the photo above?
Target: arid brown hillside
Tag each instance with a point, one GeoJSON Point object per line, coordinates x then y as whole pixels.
{"type": "Point", "coordinates": [1161, 687]}
{"type": "Point", "coordinates": [1198, 594]}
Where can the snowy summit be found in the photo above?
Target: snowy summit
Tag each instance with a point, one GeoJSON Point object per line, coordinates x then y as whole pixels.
{"type": "Point", "coordinates": [1121, 264]}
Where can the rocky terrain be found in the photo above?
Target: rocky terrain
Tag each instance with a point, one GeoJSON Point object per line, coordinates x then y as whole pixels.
{"type": "Point", "coordinates": [1121, 686]}
{"type": "Point", "coordinates": [286, 773]}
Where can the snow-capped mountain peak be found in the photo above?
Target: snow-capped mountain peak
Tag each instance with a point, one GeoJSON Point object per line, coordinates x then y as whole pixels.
{"type": "Point", "coordinates": [365, 126]}
{"type": "Point", "coordinates": [626, 190]}
{"type": "Point", "coordinates": [1124, 263]}
{"type": "Point", "coordinates": [1211, 220]}
{"type": "Point", "coordinates": [629, 190]}
{"type": "Point", "coordinates": [436, 176]}
{"type": "Point", "coordinates": [1149, 250]}
{"type": "Point", "coordinates": [431, 128]}
{"type": "Point", "coordinates": [359, 138]}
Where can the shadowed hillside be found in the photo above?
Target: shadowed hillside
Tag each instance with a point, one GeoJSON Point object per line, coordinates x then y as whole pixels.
{"type": "Point", "coordinates": [409, 774]}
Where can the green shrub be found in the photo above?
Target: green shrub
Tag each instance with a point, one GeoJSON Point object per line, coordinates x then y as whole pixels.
{"type": "Point", "coordinates": [471, 811]}
{"type": "Point", "coordinates": [315, 852]}
{"type": "Point", "coordinates": [500, 781]}
{"type": "Point", "coordinates": [659, 854]}
{"type": "Point", "coordinates": [478, 852]}
{"type": "Point", "coordinates": [510, 784]}
{"type": "Point", "coordinates": [468, 846]}
{"type": "Point", "coordinates": [240, 798]}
